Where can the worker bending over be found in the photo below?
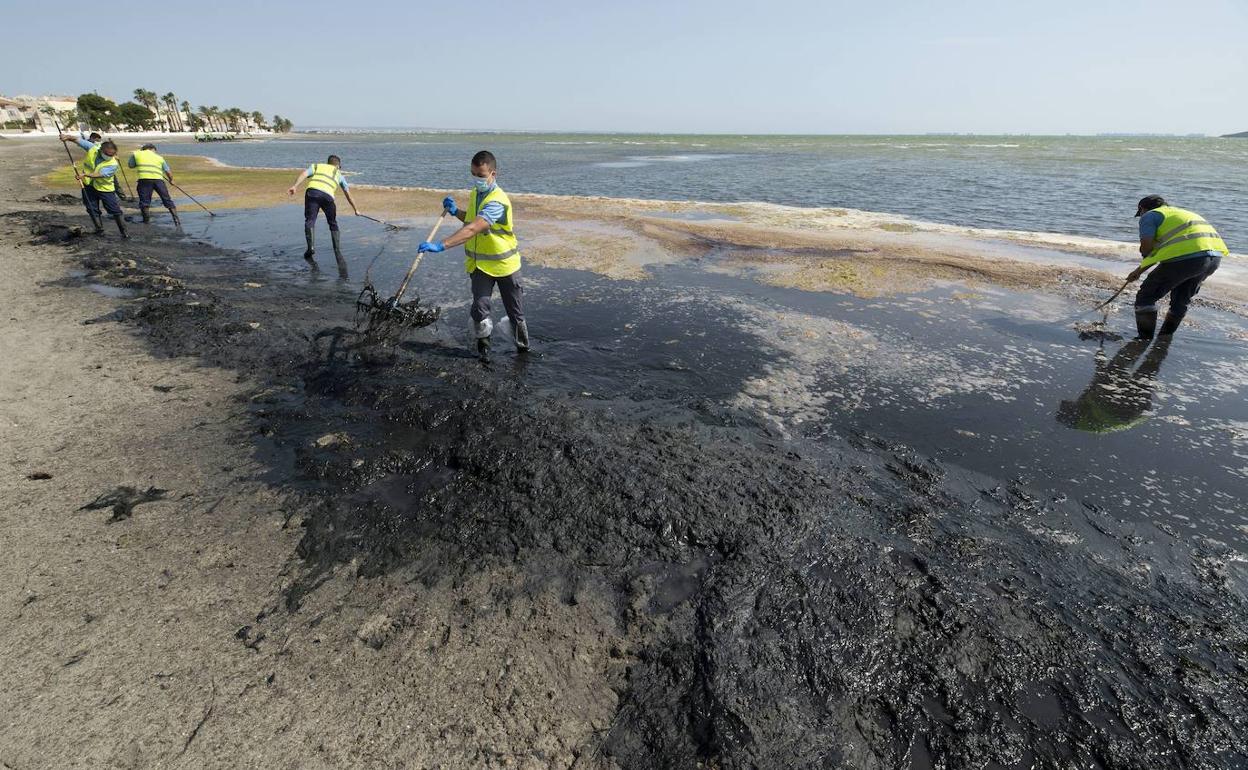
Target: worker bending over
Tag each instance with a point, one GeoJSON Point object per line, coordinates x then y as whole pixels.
{"type": "Point", "coordinates": [1186, 250]}
{"type": "Point", "coordinates": [153, 171]}
{"type": "Point", "coordinates": [324, 180]}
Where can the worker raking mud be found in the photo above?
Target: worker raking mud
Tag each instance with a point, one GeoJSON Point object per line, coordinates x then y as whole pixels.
{"type": "Point", "coordinates": [491, 252]}
{"type": "Point", "coordinates": [99, 181]}
{"type": "Point", "coordinates": [1186, 250]}
{"type": "Point", "coordinates": [153, 172]}
{"type": "Point", "coordinates": [324, 181]}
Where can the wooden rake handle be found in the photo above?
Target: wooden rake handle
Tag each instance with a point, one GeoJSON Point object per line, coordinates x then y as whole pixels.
{"type": "Point", "coordinates": [416, 262]}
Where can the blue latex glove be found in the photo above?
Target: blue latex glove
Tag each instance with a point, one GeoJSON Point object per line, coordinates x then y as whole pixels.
{"type": "Point", "coordinates": [431, 247]}
{"type": "Point", "coordinates": [448, 203]}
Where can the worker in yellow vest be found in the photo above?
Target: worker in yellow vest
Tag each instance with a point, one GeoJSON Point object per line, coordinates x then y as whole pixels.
{"type": "Point", "coordinates": [1186, 250]}
{"type": "Point", "coordinates": [153, 171]}
{"type": "Point", "coordinates": [99, 181]}
{"type": "Point", "coordinates": [491, 252]}
{"type": "Point", "coordinates": [324, 180]}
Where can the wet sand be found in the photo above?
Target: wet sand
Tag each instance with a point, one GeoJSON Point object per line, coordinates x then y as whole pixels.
{"type": "Point", "coordinates": [695, 530]}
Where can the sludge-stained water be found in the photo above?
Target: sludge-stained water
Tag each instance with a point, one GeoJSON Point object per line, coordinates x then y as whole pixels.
{"type": "Point", "coordinates": [993, 380]}
{"type": "Point", "coordinates": [747, 472]}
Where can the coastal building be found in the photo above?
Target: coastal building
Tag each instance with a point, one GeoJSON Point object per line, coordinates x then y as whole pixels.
{"type": "Point", "coordinates": [14, 115]}
{"type": "Point", "coordinates": [25, 113]}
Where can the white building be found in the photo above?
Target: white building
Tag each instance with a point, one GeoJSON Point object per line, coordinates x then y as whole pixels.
{"type": "Point", "coordinates": [25, 113]}
{"type": "Point", "coordinates": [14, 115]}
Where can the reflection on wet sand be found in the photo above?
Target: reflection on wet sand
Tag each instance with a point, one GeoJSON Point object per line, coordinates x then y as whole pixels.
{"type": "Point", "coordinates": [1119, 396]}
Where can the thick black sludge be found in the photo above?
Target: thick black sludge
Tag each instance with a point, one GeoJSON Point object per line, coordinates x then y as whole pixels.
{"type": "Point", "coordinates": [785, 605]}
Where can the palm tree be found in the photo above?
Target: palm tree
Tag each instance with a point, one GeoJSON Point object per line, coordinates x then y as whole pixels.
{"type": "Point", "coordinates": [148, 100]}
{"type": "Point", "coordinates": [206, 113]}
{"type": "Point", "coordinates": [171, 111]}
{"type": "Point", "coordinates": [257, 117]}
{"type": "Point", "coordinates": [190, 117]}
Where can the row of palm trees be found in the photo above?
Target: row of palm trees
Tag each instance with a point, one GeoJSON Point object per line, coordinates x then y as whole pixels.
{"type": "Point", "coordinates": [180, 117]}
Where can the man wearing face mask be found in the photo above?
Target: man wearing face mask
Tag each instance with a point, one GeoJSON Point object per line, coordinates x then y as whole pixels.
{"type": "Point", "coordinates": [492, 254]}
{"type": "Point", "coordinates": [99, 181]}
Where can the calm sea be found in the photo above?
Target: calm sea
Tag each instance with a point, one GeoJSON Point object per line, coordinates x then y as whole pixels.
{"type": "Point", "coordinates": [1078, 185]}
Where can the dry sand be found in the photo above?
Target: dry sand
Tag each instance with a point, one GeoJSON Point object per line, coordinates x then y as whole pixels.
{"type": "Point", "coordinates": [159, 640]}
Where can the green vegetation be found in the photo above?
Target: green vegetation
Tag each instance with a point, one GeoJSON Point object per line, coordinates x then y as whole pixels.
{"type": "Point", "coordinates": [151, 112]}
{"type": "Point", "coordinates": [227, 187]}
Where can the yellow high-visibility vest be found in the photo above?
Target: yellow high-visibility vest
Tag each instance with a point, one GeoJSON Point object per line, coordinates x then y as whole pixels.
{"type": "Point", "coordinates": [1182, 233]}
{"type": "Point", "coordinates": [325, 177]}
{"type": "Point", "coordinates": [149, 164]}
{"type": "Point", "coordinates": [97, 161]}
{"type": "Point", "coordinates": [495, 251]}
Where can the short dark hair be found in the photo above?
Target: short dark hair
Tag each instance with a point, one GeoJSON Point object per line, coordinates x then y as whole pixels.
{"type": "Point", "coordinates": [1148, 203]}
{"type": "Point", "coordinates": [94, 136]}
{"type": "Point", "coordinates": [487, 159]}
{"type": "Point", "coordinates": [148, 146]}
{"type": "Point", "coordinates": [334, 159]}
{"type": "Point", "coordinates": [108, 145]}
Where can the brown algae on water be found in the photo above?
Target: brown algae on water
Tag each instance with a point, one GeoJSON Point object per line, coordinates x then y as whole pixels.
{"type": "Point", "coordinates": [891, 254]}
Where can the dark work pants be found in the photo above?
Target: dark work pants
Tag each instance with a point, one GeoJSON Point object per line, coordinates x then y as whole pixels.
{"type": "Point", "coordinates": [146, 186]}
{"type": "Point", "coordinates": [315, 201]}
{"type": "Point", "coordinates": [508, 287]}
{"type": "Point", "coordinates": [1180, 279]}
{"type": "Point", "coordinates": [92, 198]}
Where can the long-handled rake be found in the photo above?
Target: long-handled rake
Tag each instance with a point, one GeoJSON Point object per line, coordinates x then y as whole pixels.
{"type": "Point", "coordinates": [72, 163]}
{"type": "Point", "coordinates": [376, 317]}
{"type": "Point", "coordinates": [389, 225]}
{"type": "Point", "coordinates": [1098, 330]}
{"type": "Point", "coordinates": [192, 197]}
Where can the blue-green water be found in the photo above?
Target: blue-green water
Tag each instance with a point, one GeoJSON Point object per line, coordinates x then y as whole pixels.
{"type": "Point", "coordinates": [1078, 185]}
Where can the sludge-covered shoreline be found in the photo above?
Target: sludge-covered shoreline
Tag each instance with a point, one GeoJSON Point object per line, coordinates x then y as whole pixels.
{"type": "Point", "coordinates": [771, 602]}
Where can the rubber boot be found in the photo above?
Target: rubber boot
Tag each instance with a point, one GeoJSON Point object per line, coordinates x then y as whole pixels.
{"type": "Point", "coordinates": [310, 235]}
{"type": "Point", "coordinates": [1171, 324]}
{"type": "Point", "coordinates": [1145, 324]}
{"type": "Point", "coordinates": [99, 224]}
{"type": "Point", "coordinates": [520, 331]}
{"type": "Point", "coordinates": [121, 226]}
{"type": "Point", "coordinates": [342, 262]}
{"type": "Point", "coordinates": [482, 330]}
{"type": "Point", "coordinates": [176, 221]}
{"type": "Point", "coordinates": [147, 214]}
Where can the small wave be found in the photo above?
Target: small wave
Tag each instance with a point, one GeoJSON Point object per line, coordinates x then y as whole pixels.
{"type": "Point", "coordinates": [622, 164]}
{"type": "Point", "coordinates": [1003, 145]}
{"type": "Point", "coordinates": [680, 158]}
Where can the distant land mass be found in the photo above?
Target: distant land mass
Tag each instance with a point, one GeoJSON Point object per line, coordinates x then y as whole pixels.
{"type": "Point", "coordinates": [1240, 135]}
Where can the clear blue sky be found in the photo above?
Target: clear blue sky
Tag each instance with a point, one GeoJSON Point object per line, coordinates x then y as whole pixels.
{"type": "Point", "coordinates": [803, 66]}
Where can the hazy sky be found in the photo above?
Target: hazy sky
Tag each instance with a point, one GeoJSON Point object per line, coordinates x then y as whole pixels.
{"type": "Point", "coordinates": [802, 66]}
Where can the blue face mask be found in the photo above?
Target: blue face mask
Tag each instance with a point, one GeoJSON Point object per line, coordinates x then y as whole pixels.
{"type": "Point", "coordinates": [481, 185]}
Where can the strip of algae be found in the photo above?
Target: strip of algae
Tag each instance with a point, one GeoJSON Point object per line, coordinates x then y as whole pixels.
{"type": "Point", "coordinates": [832, 250]}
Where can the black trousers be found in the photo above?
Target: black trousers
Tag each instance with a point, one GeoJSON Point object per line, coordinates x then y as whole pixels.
{"type": "Point", "coordinates": [1180, 279]}
{"type": "Point", "coordinates": [147, 186]}
{"type": "Point", "coordinates": [508, 287]}
{"type": "Point", "coordinates": [92, 198]}
{"type": "Point", "coordinates": [314, 202]}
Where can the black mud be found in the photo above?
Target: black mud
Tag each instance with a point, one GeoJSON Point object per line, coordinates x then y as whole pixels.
{"type": "Point", "coordinates": [785, 605]}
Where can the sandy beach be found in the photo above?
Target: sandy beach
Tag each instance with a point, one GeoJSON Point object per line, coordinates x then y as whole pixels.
{"type": "Point", "coordinates": [690, 536]}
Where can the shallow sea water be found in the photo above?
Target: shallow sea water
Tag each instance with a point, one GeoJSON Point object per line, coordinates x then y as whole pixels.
{"type": "Point", "coordinates": [991, 380]}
